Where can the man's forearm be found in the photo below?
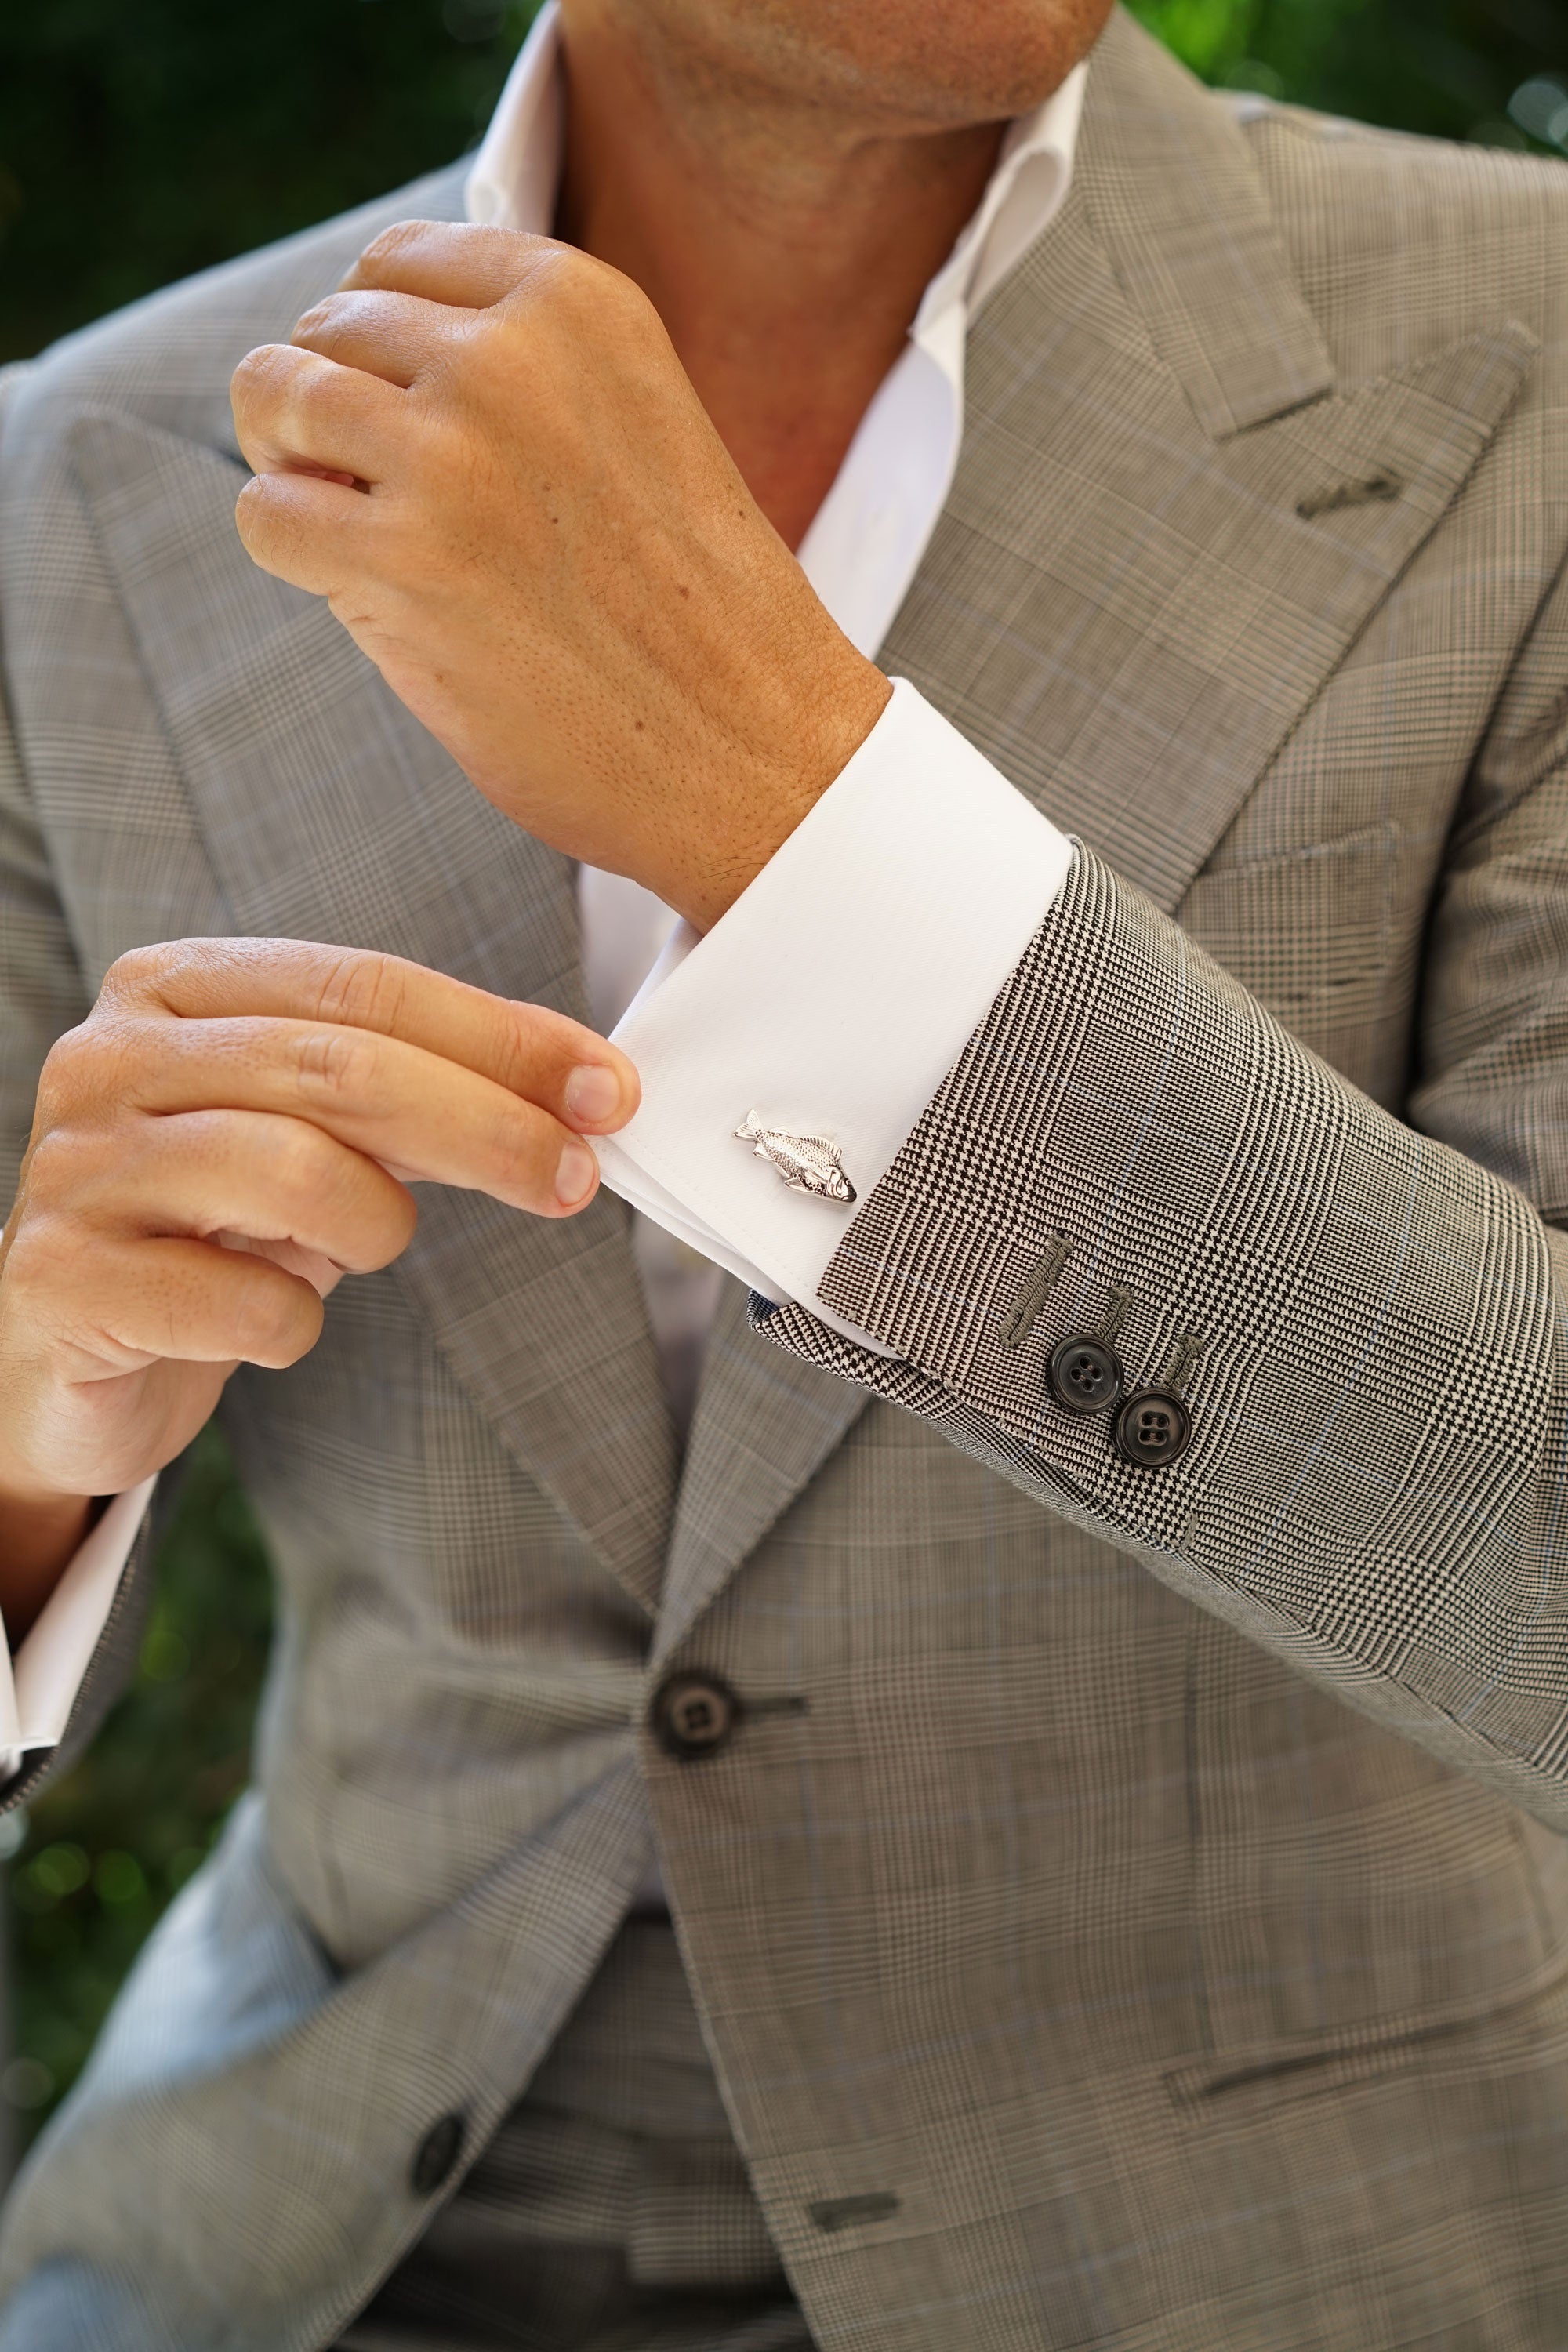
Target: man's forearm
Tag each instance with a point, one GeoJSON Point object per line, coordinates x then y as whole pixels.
{"type": "Point", "coordinates": [1330, 1371]}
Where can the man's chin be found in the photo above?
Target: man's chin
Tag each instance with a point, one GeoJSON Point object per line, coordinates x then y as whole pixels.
{"type": "Point", "coordinates": [906, 66]}
{"type": "Point", "coordinates": [982, 64]}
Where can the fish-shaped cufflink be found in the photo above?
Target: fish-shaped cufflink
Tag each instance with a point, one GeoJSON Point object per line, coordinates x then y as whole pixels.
{"type": "Point", "coordinates": [807, 1163]}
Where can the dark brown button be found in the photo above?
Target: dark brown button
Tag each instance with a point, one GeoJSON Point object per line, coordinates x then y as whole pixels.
{"type": "Point", "coordinates": [1152, 1428]}
{"type": "Point", "coordinates": [694, 1715]}
{"type": "Point", "coordinates": [1084, 1374]}
{"type": "Point", "coordinates": [437, 2154]}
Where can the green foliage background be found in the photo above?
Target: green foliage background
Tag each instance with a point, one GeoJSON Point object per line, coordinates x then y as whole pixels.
{"type": "Point", "coordinates": [141, 140]}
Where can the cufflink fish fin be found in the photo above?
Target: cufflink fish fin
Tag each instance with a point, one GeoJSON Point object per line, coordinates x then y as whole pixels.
{"type": "Point", "coordinates": [806, 1163]}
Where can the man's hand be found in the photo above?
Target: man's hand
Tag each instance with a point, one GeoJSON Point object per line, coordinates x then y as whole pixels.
{"type": "Point", "coordinates": [231, 1130]}
{"type": "Point", "coordinates": [485, 454]}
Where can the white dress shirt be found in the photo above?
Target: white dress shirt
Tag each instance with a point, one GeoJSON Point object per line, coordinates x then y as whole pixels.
{"type": "Point", "coordinates": [842, 985]}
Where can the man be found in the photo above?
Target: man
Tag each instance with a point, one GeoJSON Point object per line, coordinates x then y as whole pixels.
{"type": "Point", "coordinates": [1093, 1688]}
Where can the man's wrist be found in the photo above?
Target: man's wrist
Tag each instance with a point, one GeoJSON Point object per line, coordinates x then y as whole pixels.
{"type": "Point", "coordinates": [835, 711]}
{"type": "Point", "coordinates": [818, 997]}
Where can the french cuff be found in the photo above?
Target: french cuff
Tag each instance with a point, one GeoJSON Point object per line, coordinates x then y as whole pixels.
{"type": "Point", "coordinates": [830, 1001]}
{"type": "Point", "coordinates": [38, 1685]}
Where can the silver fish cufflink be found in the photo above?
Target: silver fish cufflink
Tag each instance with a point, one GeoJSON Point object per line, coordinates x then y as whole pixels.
{"type": "Point", "coordinates": [807, 1163]}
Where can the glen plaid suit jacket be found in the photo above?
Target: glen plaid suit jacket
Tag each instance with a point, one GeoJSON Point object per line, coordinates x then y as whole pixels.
{"type": "Point", "coordinates": [1133, 1910]}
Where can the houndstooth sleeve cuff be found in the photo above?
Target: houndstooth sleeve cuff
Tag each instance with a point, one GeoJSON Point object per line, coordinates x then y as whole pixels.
{"type": "Point", "coordinates": [1354, 1323]}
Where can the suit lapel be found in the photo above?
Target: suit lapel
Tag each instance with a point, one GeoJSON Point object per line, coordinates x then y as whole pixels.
{"type": "Point", "coordinates": [1124, 606]}
{"type": "Point", "coordinates": [765, 1422]}
{"type": "Point", "coordinates": [330, 813]}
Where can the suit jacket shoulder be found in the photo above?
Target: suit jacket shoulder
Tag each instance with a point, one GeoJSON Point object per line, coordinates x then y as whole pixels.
{"type": "Point", "coordinates": [1403, 245]}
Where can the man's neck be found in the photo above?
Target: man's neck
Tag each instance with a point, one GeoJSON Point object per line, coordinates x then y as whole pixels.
{"type": "Point", "coordinates": [786, 248]}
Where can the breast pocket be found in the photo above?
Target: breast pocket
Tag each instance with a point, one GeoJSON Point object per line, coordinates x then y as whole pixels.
{"type": "Point", "coordinates": [1525, 2030]}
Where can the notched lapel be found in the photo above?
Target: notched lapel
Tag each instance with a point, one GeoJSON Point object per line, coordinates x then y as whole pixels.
{"type": "Point", "coordinates": [330, 813]}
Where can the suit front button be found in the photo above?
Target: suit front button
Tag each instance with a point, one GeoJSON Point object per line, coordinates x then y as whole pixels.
{"type": "Point", "coordinates": [1084, 1374]}
{"type": "Point", "coordinates": [1152, 1428]}
{"type": "Point", "coordinates": [437, 2154]}
{"type": "Point", "coordinates": [694, 1715]}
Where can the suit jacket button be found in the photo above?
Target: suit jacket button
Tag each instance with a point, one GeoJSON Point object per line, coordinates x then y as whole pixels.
{"type": "Point", "coordinates": [1152, 1428]}
{"type": "Point", "coordinates": [1084, 1374]}
{"type": "Point", "coordinates": [437, 2154]}
{"type": "Point", "coordinates": [694, 1715]}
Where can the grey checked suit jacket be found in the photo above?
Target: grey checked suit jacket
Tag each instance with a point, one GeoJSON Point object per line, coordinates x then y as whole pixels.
{"type": "Point", "coordinates": [1133, 1912]}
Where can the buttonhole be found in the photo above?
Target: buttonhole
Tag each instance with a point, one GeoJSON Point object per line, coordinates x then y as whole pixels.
{"type": "Point", "coordinates": [842, 2212]}
{"type": "Point", "coordinates": [1118, 1306]}
{"type": "Point", "coordinates": [1182, 1362]}
{"type": "Point", "coordinates": [1374, 489]}
{"type": "Point", "coordinates": [1025, 1312]}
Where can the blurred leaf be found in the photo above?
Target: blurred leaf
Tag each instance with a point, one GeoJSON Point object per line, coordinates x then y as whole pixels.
{"type": "Point", "coordinates": [141, 140]}
{"type": "Point", "coordinates": [1447, 67]}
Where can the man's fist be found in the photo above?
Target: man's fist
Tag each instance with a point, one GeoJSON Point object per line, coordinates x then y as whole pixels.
{"type": "Point", "coordinates": [484, 451]}
{"type": "Point", "coordinates": [232, 1129]}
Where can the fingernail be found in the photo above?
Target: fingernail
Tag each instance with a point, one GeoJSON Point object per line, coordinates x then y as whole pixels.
{"type": "Point", "coordinates": [593, 1094]}
{"type": "Point", "coordinates": [574, 1174]}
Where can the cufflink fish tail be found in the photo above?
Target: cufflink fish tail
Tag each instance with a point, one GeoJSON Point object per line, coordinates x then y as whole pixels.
{"type": "Point", "coordinates": [806, 1163]}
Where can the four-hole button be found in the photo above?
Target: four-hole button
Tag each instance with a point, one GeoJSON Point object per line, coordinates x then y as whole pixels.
{"type": "Point", "coordinates": [1152, 1428]}
{"type": "Point", "coordinates": [1084, 1374]}
{"type": "Point", "coordinates": [694, 1715]}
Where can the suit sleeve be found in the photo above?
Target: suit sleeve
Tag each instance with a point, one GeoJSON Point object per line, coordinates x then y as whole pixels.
{"type": "Point", "coordinates": [1347, 1329]}
{"type": "Point", "coordinates": [43, 993]}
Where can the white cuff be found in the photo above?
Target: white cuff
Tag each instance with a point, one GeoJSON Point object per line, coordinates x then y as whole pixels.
{"type": "Point", "coordinates": [832, 998]}
{"type": "Point", "coordinates": [38, 1686]}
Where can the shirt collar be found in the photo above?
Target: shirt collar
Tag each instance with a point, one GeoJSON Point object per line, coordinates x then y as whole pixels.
{"type": "Point", "coordinates": [516, 174]}
{"type": "Point", "coordinates": [1025, 191]}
